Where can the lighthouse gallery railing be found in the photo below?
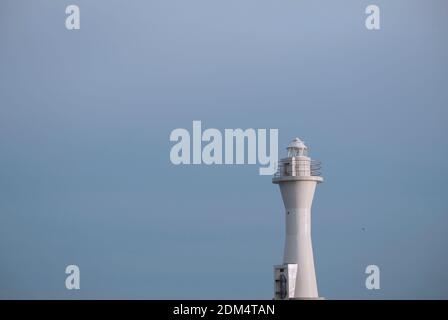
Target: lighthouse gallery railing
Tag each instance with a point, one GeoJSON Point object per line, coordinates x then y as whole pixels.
{"type": "Point", "coordinates": [300, 168]}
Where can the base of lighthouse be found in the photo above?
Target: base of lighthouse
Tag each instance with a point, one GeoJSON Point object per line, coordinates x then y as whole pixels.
{"type": "Point", "coordinates": [285, 279]}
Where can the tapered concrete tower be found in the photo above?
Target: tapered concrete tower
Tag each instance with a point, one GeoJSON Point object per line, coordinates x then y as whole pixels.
{"type": "Point", "coordinates": [297, 177]}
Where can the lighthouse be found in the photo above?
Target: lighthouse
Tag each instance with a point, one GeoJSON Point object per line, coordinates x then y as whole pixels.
{"type": "Point", "coordinates": [297, 176]}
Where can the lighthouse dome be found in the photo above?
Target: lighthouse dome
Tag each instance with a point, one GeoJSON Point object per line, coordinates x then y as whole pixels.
{"type": "Point", "coordinates": [297, 148]}
{"type": "Point", "coordinates": [296, 143]}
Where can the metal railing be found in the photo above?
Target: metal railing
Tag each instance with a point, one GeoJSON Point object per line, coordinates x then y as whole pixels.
{"type": "Point", "coordinates": [301, 168]}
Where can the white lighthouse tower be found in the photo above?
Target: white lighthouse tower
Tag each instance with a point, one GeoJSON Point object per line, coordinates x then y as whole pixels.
{"type": "Point", "coordinates": [297, 177]}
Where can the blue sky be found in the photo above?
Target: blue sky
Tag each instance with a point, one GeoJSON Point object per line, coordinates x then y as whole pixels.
{"type": "Point", "coordinates": [85, 118]}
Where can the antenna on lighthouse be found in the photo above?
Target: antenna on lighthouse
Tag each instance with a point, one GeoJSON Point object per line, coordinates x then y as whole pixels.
{"type": "Point", "coordinates": [297, 175]}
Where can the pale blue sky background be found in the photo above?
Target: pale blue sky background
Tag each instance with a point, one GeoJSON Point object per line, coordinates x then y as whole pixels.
{"type": "Point", "coordinates": [85, 118]}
